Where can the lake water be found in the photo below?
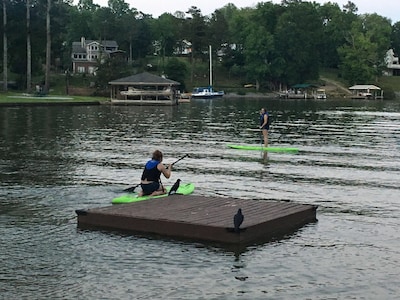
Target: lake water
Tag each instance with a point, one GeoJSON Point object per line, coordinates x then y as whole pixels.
{"type": "Point", "coordinates": [54, 160]}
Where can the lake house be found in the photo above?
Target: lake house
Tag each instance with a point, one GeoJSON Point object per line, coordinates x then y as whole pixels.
{"type": "Point", "coordinates": [86, 54]}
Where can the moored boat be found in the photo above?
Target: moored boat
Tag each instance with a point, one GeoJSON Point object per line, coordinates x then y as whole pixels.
{"type": "Point", "coordinates": [320, 94]}
{"type": "Point", "coordinates": [206, 92]}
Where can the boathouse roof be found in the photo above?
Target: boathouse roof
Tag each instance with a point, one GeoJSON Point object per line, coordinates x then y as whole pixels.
{"type": "Point", "coordinates": [360, 87]}
{"type": "Point", "coordinates": [144, 78]}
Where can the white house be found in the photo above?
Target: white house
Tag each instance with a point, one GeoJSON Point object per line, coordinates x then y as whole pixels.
{"type": "Point", "coordinates": [392, 64]}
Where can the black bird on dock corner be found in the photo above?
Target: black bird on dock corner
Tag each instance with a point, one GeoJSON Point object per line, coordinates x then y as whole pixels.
{"type": "Point", "coordinates": [174, 188]}
{"type": "Point", "coordinates": [238, 220]}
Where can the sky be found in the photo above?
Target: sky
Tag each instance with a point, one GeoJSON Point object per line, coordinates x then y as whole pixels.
{"type": "Point", "coordinates": [385, 8]}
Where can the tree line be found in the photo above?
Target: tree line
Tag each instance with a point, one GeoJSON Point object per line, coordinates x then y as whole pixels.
{"type": "Point", "coordinates": [269, 44]}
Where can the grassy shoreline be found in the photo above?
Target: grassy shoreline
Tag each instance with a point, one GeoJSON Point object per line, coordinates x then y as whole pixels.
{"type": "Point", "coordinates": [23, 99]}
{"type": "Point", "coordinates": [13, 98]}
{"type": "Point", "coordinates": [30, 99]}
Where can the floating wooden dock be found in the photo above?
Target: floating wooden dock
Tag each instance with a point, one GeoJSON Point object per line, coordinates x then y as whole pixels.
{"type": "Point", "coordinates": [198, 218]}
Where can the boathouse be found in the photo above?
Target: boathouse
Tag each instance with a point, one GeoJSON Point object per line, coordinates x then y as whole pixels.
{"type": "Point", "coordinates": [199, 218]}
{"type": "Point", "coordinates": [144, 89]}
{"type": "Point", "coordinates": [366, 91]}
{"type": "Point", "coordinates": [299, 91]}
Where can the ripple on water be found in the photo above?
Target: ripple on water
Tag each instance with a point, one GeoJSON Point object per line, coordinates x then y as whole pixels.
{"type": "Point", "coordinates": [348, 165]}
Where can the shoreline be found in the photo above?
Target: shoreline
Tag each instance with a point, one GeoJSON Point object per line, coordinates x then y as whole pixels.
{"type": "Point", "coordinates": [253, 95]}
{"type": "Point", "coordinates": [53, 100]}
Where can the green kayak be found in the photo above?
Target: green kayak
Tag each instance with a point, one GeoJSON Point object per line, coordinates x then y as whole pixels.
{"type": "Point", "coordinates": [184, 189]}
{"type": "Point", "coordinates": [261, 148]}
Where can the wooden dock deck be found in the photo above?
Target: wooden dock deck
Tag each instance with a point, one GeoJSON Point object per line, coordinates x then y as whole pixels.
{"type": "Point", "coordinates": [199, 218]}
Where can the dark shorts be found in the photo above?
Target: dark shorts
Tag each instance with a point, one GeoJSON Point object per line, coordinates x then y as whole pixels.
{"type": "Point", "coordinates": [150, 187]}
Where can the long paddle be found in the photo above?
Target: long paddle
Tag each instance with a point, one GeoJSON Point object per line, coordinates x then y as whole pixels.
{"type": "Point", "coordinates": [132, 188]}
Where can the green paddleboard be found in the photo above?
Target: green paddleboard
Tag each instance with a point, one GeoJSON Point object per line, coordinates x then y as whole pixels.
{"type": "Point", "coordinates": [260, 148]}
{"type": "Point", "coordinates": [184, 189]}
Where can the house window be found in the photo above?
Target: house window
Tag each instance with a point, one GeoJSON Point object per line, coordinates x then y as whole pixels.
{"type": "Point", "coordinates": [91, 70]}
{"type": "Point", "coordinates": [81, 69]}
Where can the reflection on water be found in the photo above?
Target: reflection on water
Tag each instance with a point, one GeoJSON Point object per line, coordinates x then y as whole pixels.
{"type": "Point", "coordinates": [54, 160]}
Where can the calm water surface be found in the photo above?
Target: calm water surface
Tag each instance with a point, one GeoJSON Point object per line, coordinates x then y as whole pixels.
{"type": "Point", "coordinates": [54, 160]}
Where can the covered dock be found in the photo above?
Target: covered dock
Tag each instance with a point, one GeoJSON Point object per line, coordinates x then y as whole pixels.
{"type": "Point", "coordinates": [366, 91]}
{"type": "Point", "coordinates": [299, 91]}
{"type": "Point", "coordinates": [144, 89]}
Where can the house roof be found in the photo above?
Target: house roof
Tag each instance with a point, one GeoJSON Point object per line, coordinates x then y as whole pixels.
{"type": "Point", "coordinates": [144, 79]}
{"type": "Point", "coordinates": [364, 87]}
{"type": "Point", "coordinates": [77, 46]}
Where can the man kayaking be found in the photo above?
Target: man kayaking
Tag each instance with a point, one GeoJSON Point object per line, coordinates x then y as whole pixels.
{"type": "Point", "coordinates": [264, 125]}
{"type": "Point", "coordinates": [150, 181]}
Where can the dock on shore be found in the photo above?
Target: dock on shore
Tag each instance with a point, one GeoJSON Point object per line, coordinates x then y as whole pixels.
{"type": "Point", "coordinates": [199, 218]}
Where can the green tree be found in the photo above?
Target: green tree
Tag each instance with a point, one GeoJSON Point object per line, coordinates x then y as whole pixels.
{"type": "Point", "coordinates": [28, 48]}
{"type": "Point", "coordinates": [234, 58]}
{"type": "Point", "coordinates": [110, 69]}
{"type": "Point", "coordinates": [60, 22]}
{"type": "Point", "coordinates": [362, 57]}
{"type": "Point", "coordinates": [104, 25]}
{"type": "Point", "coordinates": [356, 58]}
{"type": "Point", "coordinates": [119, 8]}
{"type": "Point", "coordinates": [262, 61]}
{"type": "Point", "coordinates": [176, 69]}
{"type": "Point", "coordinates": [48, 46]}
{"type": "Point", "coordinates": [165, 34]}
{"type": "Point", "coordinates": [128, 25]}
{"type": "Point", "coordinates": [335, 23]}
{"type": "Point", "coordinates": [87, 5]}
{"type": "Point", "coordinates": [298, 37]}
{"type": "Point", "coordinates": [258, 50]}
{"type": "Point", "coordinates": [80, 24]}
{"type": "Point", "coordinates": [378, 29]}
{"type": "Point", "coordinates": [196, 32]}
{"type": "Point", "coordinates": [218, 29]}
{"type": "Point", "coordinates": [142, 38]}
{"type": "Point", "coordinates": [5, 48]}
{"type": "Point", "coordinates": [395, 38]}
{"type": "Point", "coordinates": [350, 8]}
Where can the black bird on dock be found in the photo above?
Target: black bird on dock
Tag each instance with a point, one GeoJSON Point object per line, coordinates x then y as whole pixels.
{"type": "Point", "coordinates": [174, 188]}
{"type": "Point", "coordinates": [238, 220]}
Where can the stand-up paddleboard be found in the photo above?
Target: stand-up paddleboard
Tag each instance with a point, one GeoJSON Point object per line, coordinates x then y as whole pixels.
{"type": "Point", "coordinates": [184, 189]}
{"type": "Point", "coordinates": [261, 148]}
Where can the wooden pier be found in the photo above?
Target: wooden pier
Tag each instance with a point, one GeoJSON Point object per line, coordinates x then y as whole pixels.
{"type": "Point", "coordinates": [198, 218]}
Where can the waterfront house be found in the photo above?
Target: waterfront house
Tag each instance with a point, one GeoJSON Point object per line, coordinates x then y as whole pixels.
{"type": "Point", "coordinates": [392, 64]}
{"type": "Point", "coordinates": [86, 54]}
